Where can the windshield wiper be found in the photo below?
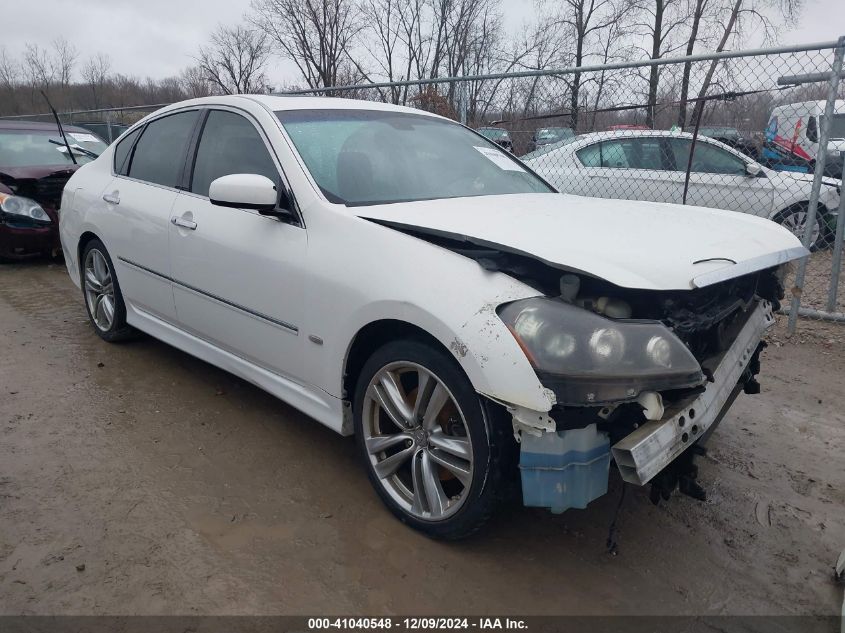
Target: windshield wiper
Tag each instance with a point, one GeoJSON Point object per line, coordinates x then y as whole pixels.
{"type": "Point", "coordinates": [79, 149]}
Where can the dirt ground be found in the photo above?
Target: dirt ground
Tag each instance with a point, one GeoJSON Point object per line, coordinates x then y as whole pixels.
{"type": "Point", "coordinates": [183, 490]}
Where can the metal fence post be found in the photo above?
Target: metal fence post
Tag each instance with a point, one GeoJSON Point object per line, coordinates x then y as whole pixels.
{"type": "Point", "coordinates": [812, 209]}
{"type": "Point", "coordinates": [109, 116]}
{"type": "Point", "coordinates": [836, 260]}
{"type": "Point", "coordinates": [464, 96]}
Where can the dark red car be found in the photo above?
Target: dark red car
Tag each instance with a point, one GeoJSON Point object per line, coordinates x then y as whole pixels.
{"type": "Point", "coordinates": [34, 166]}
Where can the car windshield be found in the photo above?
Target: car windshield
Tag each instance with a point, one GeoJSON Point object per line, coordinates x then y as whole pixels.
{"type": "Point", "coordinates": [362, 157]}
{"type": "Point", "coordinates": [30, 148]}
{"type": "Point", "coordinates": [837, 126]}
{"type": "Point", "coordinates": [554, 133]}
{"type": "Point", "coordinates": [494, 133]}
{"type": "Point", "coordinates": [545, 149]}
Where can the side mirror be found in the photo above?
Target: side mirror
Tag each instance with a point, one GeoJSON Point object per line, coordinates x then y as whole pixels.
{"type": "Point", "coordinates": [244, 191]}
{"type": "Point", "coordinates": [753, 169]}
{"type": "Point", "coordinates": [812, 130]}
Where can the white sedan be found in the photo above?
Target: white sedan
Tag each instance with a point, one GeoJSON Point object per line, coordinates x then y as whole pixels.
{"type": "Point", "coordinates": [651, 165]}
{"type": "Point", "coordinates": [398, 277]}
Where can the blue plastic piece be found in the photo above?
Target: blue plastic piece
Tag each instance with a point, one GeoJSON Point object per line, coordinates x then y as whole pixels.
{"type": "Point", "coordinates": [565, 469]}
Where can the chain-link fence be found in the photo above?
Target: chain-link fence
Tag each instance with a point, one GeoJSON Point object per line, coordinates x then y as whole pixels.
{"type": "Point", "coordinates": [759, 132]}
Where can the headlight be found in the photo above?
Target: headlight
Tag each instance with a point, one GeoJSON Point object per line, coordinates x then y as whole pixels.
{"type": "Point", "coordinates": [23, 207]}
{"type": "Point", "coordinates": [586, 358]}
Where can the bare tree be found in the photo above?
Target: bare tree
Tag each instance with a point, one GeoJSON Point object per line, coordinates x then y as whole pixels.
{"type": "Point", "coordinates": [398, 49]}
{"type": "Point", "coordinates": [63, 60]}
{"type": "Point", "coordinates": [611, 50]}
{"type": "Point", "coordinates": [660, 22]}
{"type": "Point", "coordinates": [37, 66]}
{"type": "Point", "coordinates": [235, 59]}
{"type": "Point", "coordinates": [195, 83]}
{"type": "Point", "coordinates": [95, 72]}
{"type": "Point", "coordinates": [585, 19]}
{"type": "Point", "coordinates": [9, 69]}
{"type": "Point", "coordinates": [317, 35]}
{"type": "Point", "coordinates": [733, 18]}
{"type": "Point", "coordinates": [9, 79]}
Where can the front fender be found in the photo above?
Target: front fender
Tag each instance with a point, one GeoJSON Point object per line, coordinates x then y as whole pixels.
{"type": "Point", "coordinates": [481, 344]}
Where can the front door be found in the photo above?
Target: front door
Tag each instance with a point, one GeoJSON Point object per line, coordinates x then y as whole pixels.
{"type": "Point", "coordinates": [238, 275]}
{"type": "Point", "coordinates": [719, 179]}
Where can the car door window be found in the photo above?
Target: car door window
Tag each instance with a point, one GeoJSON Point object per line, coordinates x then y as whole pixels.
{"type": "Point", "coordinates": [230, 144]}
{"type": "Point", "coordinates": [159, 154]}
{"type": "Point", "coordinates": [613, 154]}
{"type": "Point", "coordinates": [707, 159]}
{"type": "Point", "coordinates": [647, 154]}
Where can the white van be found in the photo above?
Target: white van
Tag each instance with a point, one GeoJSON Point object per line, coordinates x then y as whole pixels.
{"type": "Point", "coordinates": [794, 130]}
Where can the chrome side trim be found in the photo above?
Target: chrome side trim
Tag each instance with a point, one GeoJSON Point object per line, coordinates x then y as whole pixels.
{"type": "Point", "coordinates": [231, 304]}
{"type": "Point", "coordinates": [648, 450]}
{"type": "Point", "coordinates": [749, 266]}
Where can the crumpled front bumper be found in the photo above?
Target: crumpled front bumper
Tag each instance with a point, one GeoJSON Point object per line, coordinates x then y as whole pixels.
{"type": "Point", "coordinates": [654, 445]}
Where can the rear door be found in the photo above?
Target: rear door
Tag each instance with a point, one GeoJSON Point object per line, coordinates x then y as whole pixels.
{"type": "Point", "coordinates": [148, 167]}
{"type": "Point", "coordinates": [238, 275]}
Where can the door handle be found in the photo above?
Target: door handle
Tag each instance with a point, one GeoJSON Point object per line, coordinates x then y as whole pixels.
{"type": "Point", "coordinates": [112, 198]}
{"type": "Point", "coordinates": [182, 222]}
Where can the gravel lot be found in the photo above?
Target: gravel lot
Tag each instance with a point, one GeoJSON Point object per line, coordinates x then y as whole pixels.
{"type": "Point", "coordinates": [183, 490]}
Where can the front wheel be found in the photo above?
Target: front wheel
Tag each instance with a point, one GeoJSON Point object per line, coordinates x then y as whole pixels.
{"type": "Point", "coordinates": [433, 451]}
{"type": "Point", "coordinates": [795, 219]}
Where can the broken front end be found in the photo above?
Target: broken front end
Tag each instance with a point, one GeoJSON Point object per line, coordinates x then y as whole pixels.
{"type": "Point", "coordinates": [641, 378]}
{"type": "Point", "coordinates": [29, 211]}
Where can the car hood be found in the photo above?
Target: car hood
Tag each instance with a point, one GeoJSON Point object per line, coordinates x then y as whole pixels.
{"type": "Point", "coordinates": [38, 171]}
{"type": "Point", "coordinates": [645, 245]}
{"type": "Point", "coordinates": [789, 176]}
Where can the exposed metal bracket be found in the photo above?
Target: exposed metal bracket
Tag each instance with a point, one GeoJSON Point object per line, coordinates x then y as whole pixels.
{"type": "Point", "coordinates": [648, 450]}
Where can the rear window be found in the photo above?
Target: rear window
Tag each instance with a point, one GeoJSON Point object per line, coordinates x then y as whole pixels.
{"type": "Point", "coordinates": [159, 154]}
{"type": "Point", "coordinates": [121, 152]}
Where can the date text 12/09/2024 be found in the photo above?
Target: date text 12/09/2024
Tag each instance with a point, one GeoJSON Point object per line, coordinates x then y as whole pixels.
{"type": "Point", "coordinates": [417, 624]}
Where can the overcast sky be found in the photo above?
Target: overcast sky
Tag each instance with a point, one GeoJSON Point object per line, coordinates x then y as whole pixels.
{"type": "Point", "coordinates": [156, 38]}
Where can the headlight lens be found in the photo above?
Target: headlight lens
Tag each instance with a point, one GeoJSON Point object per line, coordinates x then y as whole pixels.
{"type": "Point", "coordinates": [23, 207]}
{"type": "Point", "coordinates": [586, 358]}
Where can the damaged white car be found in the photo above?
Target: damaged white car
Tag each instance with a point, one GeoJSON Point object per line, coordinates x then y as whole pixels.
{"type": "Point", "coordinates": [398, 277]}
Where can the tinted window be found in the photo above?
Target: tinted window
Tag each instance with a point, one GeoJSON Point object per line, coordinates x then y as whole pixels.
{"type": "Point", "coordinates": [160, 152]}
{"type": "Point", "coordinates": [708, 159]}
{"type": "Point", "coordinates": [650, 154]}
{"type": "Point", "coordinates": [121, 152]}
{"type": "Point", "coordinates": [230, 145]}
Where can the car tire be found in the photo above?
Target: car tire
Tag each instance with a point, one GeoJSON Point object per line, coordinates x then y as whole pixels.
{"type": "Point", "coordinates": [794, 219]}
{"type": "Point", "coordinates": [101, 292]}
{"type": "Point", "coordinates": [405, 463]}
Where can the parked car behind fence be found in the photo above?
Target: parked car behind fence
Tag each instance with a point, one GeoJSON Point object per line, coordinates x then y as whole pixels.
{"type": "Point", "coordinates": [651, 165]}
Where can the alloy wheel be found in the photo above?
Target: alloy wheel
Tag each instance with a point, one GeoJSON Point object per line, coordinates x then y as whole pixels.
{"type": "Point", "coordinates": [417, 441]}
{"type": "Point", "coordinates": [796, 223]}
{"type": "Point", "coordinates": [99, 290]}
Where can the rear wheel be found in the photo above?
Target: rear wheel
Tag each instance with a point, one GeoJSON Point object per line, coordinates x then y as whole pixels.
{"type": "Point", "coordinates": [795, 219]}
{"type": "Point", "coordinates": [433, 451]}
{"type": "Point", "coordinates": [103, 299]}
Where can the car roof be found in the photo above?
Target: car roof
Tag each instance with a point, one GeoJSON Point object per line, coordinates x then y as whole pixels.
{"type": "Point", "coordinates": [594, 136]}
{"type": "Point", "coordinates": [276, 103]}
{"type": "Point", "coordinates": [39, 126]}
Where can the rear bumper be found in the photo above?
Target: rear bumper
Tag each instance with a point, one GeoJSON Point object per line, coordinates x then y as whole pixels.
{"type": "Point", "coordinates": [654, 445]}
